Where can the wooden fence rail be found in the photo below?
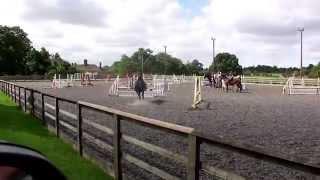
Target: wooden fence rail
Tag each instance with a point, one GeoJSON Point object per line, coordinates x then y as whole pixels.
{"type": "Point", "coordinates": [195, 139]}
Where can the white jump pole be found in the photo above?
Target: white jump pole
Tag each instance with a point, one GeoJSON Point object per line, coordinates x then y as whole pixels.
{"type": "Point", "coordinates": [59, 84]}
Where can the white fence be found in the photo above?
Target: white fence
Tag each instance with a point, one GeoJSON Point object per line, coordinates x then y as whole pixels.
{"type": "Point", "coordinates": [125, 87]}
{"type": "Point", "coordinates": [302, 86]}
{"type": "Point", "coordinates": [57, 82]}
{"type": "Point", "coordinates": [264, 81]}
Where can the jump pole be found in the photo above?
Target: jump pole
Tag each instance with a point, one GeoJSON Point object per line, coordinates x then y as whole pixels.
{"type": "Point", "coordinates": [197, 97]}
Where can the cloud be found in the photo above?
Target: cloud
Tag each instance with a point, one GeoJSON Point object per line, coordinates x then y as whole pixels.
{"type": "Point", "coordinates": [258, 32]}
{"type": "Point", "coordinates": [81, 12]}
{"type": "Point", "coordinates": [260, 27]}
{"type": "Point", "coordinates": [123, 41]}
{"type": "Point", "coordinates": [49, 33]}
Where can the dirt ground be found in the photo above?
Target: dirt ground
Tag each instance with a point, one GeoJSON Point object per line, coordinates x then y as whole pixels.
{"type": "Point", "coordinates": [261, 117]}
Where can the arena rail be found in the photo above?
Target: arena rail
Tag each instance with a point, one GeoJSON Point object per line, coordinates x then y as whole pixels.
{"type": "Point", "coordinates": [194, 138]}
{"type": "Point", "coordinates": [264, 81]}
{"type": "Point", "coordinates": [302, 87]}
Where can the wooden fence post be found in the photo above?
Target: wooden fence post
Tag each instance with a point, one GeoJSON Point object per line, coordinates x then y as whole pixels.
{"type": "Point", "coordinates": [15, 93]}
{"type": "Point", "coordinates": [193, 166]}
{"type": "Point", "coordinates": [7, 89]}
{"type": "Point", "coordinates": [117, 148]}
{"type": "Point", "coordinates": [25, 99]}
{"type": "Point", "coordinates": [19, 92]}
{"type": "Point", "coordinates": [79, 117]}
{"type": "Point", "coordinates": [32, 102]}
{"type": "Point", "coordinates": [11, 92]}
{"type": "Point", "coordinates": [42, 109]}
{"type": "Point", "coordinates": [57, 117]}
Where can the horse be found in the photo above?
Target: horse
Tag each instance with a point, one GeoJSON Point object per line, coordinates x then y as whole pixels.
{"type": "Point", "coordinates": [232, 81]}
{"type": "Point", "coordinates": [211, 79]}
{"type": "Point", "coordinates": [140, 86]}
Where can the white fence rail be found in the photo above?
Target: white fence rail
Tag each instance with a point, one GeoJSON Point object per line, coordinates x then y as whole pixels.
{"type": "Point", "coordinates": [264, 81]}
{"type": "Point", "coordinates": [302, 86]}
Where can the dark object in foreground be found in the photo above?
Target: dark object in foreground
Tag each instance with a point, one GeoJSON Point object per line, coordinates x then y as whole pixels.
{"type": "Point", "coordinates": [19, 163]}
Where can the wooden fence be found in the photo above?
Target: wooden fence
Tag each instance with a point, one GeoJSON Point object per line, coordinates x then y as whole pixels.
{"type": "Point", "coordinates": [195, 139]}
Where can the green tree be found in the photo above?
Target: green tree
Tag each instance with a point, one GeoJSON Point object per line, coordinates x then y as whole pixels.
{"type": "Point", "coordinates": [160, 63]}
{"type": "Point", "coordinates": [14, 47]}
{"type": "Point", "coordinates": [226, 63]}
{"type": "Point", "coordinates": [38, 62]}
{"type": "Point", "coordinates": [60, 66]}
{"type": "Point", "coordinates": [195, 67]}
{"type": "Point", "coordinates": [124, 66]}
{"type": "Point", "coordinates": [315, 71]}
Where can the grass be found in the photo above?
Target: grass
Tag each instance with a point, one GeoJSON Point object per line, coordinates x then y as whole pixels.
{"type": "Point", "coordinates": [21, 128]}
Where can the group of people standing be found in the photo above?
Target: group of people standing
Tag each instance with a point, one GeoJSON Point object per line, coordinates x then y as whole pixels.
{"type": "Point", "coordinates": [224, 81]}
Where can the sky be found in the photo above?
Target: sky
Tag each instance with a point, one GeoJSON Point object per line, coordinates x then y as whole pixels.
{"type": "Point", "coordinates": [257, 31]}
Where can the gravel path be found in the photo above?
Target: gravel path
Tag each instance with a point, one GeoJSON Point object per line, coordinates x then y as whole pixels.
{"type": "Point", "coordinates": [261, 117]}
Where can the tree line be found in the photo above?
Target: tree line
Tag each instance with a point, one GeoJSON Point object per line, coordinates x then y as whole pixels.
{"type": "Point", "coordinates": [17, 56]}
{"type": "Point", "coordinates": [144, 60]}
{"type": "Point", "coordinates": [311, 71]}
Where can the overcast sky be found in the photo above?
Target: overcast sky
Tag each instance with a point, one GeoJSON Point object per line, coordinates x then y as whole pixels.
{"type": "Point", "coordinates": [257, 31]}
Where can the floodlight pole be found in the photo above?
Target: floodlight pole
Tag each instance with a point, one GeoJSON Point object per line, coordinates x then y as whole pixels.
{"type": "Point", "coordinates": [301, 57]}
{"type": "Point", "coordinates": [141, 54]}
{"type": "Point", "coordinates": [213, 50]}
{"type": "Point", "coordinates": [165, 49]}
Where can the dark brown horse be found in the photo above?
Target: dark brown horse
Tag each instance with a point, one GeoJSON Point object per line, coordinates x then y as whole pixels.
{"type": "Point", "coordinates": [233, 81]}
{"type": "Point", "coordinates": [210, 78]}
{"type": "Point", "coordinates": [140, 86]}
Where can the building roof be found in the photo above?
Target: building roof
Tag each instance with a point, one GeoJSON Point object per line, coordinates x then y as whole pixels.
{"type": "Point", "coordinates": [88, 68]}
{"type": "Point", "coordinates": [85, 67]}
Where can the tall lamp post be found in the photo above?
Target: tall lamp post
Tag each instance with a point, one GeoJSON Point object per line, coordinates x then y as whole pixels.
{"type": "Point", "coordinates": [141, 56]}
{"type": "Point", "coordinates": [213, 50]}
{"type": "Point", "coordinates": [165, 49]}
{"type": "Point", "coordinates": [301, 36]}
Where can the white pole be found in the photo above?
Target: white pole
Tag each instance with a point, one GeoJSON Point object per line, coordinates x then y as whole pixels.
{"type": "Point", "coordinates": [59, 81]}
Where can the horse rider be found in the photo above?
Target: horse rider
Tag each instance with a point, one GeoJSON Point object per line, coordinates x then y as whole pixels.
{"type": "Point", "coordinates": [140, 86]}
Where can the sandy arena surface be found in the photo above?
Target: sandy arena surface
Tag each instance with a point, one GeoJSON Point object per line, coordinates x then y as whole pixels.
{"type": "Point", "coordinates": [261, 117]}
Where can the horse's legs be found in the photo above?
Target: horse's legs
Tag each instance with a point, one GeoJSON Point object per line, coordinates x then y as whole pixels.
{"type": "Point", "coordinates": [142, 93]}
